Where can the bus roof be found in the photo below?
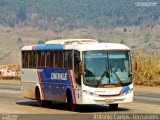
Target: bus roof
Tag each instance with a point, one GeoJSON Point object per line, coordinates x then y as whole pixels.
{"type": "Point", "coordinates": [70, 41]}
{"type": "Point", "coordinates": [77, 44]}
{"type": "Point", "coordinates": [98, 46]}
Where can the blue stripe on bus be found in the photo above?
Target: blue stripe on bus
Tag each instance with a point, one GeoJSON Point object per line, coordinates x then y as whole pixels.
{"type": "Point", "coordinates": [54, 88]}
{"type": "Point", "coordinates": [126, 88]}
{"type": "Point", "coordinates": [49, 47]}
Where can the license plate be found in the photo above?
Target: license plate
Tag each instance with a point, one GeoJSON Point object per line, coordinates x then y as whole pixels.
{"type": "Point", "coordinates": [110, 100]}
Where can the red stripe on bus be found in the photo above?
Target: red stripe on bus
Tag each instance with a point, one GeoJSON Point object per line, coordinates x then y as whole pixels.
{"type": "Point", "coordinates": [71, 81]}
{"type": "Point", "coordinates": [33, 47]}
{"type": "Point", "coordinates": [39, 80]}
{"type": "Point", "coordinates": [121, 91]}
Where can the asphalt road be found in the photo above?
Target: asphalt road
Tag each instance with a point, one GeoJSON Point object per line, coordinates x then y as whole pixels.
{"type": "Point", "coordinates": [13, 105]}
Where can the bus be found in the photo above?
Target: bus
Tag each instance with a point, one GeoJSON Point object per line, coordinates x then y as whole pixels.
{"type": "Point", "coordinates": [77, 71]}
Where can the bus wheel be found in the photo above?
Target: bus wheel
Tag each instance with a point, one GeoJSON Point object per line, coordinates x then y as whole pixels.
{"type": "Point", "coordinates": [38, 97]}
{"type": "Point", "coordinates": [71, 106]}
{"type": "Point", "coordinates": [42, 103]}
{"type": "Point", "coordinates": [113, 106]}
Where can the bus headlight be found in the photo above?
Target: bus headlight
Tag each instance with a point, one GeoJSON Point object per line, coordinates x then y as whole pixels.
{"type": "Point", "coordinates": [90, 93]}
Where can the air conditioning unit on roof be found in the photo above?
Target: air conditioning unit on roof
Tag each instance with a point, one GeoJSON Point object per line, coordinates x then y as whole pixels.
{"type": "Point", "coordinates": [70, 41]}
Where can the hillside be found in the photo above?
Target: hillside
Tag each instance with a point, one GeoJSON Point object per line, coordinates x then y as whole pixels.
{"type": "Point", "coordinates": [24, 22]}
{"type": "Point", "coordinates": [59, 15]}
{"type": "Point", "coordinates": [12, 39]}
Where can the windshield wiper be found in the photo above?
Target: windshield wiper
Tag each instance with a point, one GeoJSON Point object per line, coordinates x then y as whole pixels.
{"type": "Point", "coordinates": [105, 73]}
{"type": "Point", "coordinates": [120, 81]}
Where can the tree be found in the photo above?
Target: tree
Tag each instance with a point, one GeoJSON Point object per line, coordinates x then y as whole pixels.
{"type": "Point", "coordinates": [147, 38]}
{"type": "Point", "coordinates": [125, 29]}
{"type": "Point", "coordinates": [41, 42]}
{"type": "Point", "coordinates": [57, 37]}
{"type": "Point", "coordinates": [158, 38]}
{"type": "Point", "coordinates": [19, 40]}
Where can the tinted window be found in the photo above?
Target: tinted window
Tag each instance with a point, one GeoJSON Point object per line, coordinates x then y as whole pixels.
{"type": "Point", "coordinates": [76, 67]}
{"type": "Point", "coordinates": [32, 59]}
{"type": "Point", "coordinates": [41, 59]}
{"type": "Point", "coordinates": [24, 59]}
{"type": "Point", "coordinates": [49, 59]}
{"type": "Point", "coordinates": [68, 59]}
{"type": "Point", "coordinates": [58, 59]}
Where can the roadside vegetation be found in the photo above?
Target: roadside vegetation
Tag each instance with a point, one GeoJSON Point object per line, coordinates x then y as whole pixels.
{"type": "Point", "coordinates": [148, 69]}
{"type": "Point", "coordinates": [9, 72]}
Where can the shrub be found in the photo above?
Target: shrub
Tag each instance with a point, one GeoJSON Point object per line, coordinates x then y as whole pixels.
{"type": "Point", "coordinates": [158, 38]}
{"type": "Point", "coordinates": [147, 38]}
{"type": "Point", "coordinates": [125, 29]}
{"type": "Point", "coordinates": [41, 42]}
{"type": "Point", "coordinates": [57, 37]}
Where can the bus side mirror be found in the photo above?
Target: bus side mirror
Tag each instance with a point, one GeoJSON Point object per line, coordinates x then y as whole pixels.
{"type": "Point", "coordinates": [81, 68]}
{"type": "Point", "coordinates": [134, 64]}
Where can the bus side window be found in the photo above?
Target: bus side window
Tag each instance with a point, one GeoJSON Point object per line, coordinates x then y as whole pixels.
{"type": "Point", "coordinates": [68, 59]}
{"type": "Point", "coordinates": [49, 59]}
{"type": "Point", "coordinates": [58, 59]}
{"type": "Point", "coordinates": [32, 59]}
{"type": "Point", "coordinates": [76, 67]}
{"type": "Point", "coordinates": [35, 59]}
{"type": "Point", "coordinates": [25, 59]}
{"type": "Point", "coordinates": [41, 59]}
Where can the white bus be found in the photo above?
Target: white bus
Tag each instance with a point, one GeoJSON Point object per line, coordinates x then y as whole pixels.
{"type": "Point", "coordinates": [77, 71]}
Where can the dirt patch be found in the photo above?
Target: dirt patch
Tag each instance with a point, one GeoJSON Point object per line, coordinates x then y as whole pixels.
{"type": "Point", "coordinates": [10, 81]}
{"type": "Point", "coordinates": [147, 88]}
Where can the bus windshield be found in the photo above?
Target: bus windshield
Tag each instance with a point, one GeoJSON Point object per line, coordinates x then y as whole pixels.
{"type": "Point", "coordinates": [103, 68]}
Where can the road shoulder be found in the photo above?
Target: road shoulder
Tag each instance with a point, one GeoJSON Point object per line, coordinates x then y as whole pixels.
{"type": "Point", "coordinates": [9, 81]}
{"type": "Point", "coordinates": [146, 88]}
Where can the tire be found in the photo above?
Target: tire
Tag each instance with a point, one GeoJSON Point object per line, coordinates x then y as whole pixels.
{"type": "Point", "coordinates": [38, 98]}
{"type": "Point", "coordinates": [71, 106]}
{"type": "Point", "coordinates": [41, 103]}
{"type": "Point", "coordinates": [113, 107]}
